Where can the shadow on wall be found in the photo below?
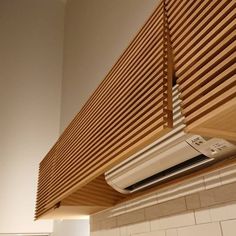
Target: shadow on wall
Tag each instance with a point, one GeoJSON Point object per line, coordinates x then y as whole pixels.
{"type": "Point", "coordinates": [204, 206]}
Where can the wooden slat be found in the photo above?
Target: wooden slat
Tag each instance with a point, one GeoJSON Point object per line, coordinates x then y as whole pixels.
{"type": "Point", "coordinates": [175, 9]}
{"type": "Point", "coordinates": [182, 20]}
{"type": "Point", "coordinates": [204, 49]}
{"type": "Point", "coordinates": [149, 100]}
{"type": "Point", "coordinates": [196, 24]}
{"type": "Point", "coordinates": [106, 153]}
{"type": "Point", "coordinates": [131, 108]}
{"type": "Point", "coordinates": [120, 116]}
{"type": "Point", "coordinates": [99, 94]}
{"type": "Point", "coordinates": [220, 123]}
{"type": "Point", "coordinates": [214, 103]}
{"type": "Point", "coordinates": [132, 86]}
{"type": "Point", "coordinates": [198, 95]}
{"type": "Point", "coordinates": [130, 93]}
{"type": "Point", "coordinates": [227, 66]}
{"type": "Point", "coordinates": [46, 171]}
{"type": "Point", "coordinates": [213, 94]}
{"type": "Point", "coordinates": [95, 191]}
{"type": "Point", "coordinates": [212, 58]}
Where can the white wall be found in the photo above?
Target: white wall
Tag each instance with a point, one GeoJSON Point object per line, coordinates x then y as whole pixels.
{"type": "Point", "coordinates": [31, 42]}
{"type": "Point", "coordinates": [71, 228]}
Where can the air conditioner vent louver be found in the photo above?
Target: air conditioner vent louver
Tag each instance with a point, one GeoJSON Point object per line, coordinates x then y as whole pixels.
{"type": "Point", "coordinates": [170, 172]}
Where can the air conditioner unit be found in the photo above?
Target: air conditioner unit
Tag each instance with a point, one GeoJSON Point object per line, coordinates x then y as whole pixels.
{"type": "Point", "coordinates": [171, 155]}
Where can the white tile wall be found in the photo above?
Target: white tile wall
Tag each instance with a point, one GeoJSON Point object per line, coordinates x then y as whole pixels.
{"type": "Point", "coordinates": [212, 180]}
{"type": "Point", "coordinates": [131, 217]}
{"type": "Point", "coordinates": [111, 232]}
{"type": "Point", "coordinates": [171, 232]}
{"type": "Point", "coordinates": [180, 190]}
{"type": "Point", "coordinates": [174, 221]}
{"type": "Point", "coordinates": [193, 201]}
{"type": "Point", "coordinates": [207, 198]}
{"type": "Point", "coordinates": [123, 231]}
{"type": "Point", "coordinates": [153, 233]}
{"type": "Point", "coordinates": [228, 175]}
{"type": "Point", "coordinates": [149, 200]}
{"type": "Point", "coordinates": [203, 216]}
{"type": "Point", "coordinates": [225, 193]}
{"type": "Point", "coordinates": [142, 227]}
{"type": "Point", "coordinates": [223, 212]}
{"type": "Point", "coordinates": [229, 227]}
{"type": "Point", "coordinates": [211, 229]}
{"type": "Point", "coordinates": [173, 207]}
{"type": "Point", "coordinates": [153, 212]}
{"type": "Point", "coordinates": [204, 206]}
{"type": "Point", "coordinates": [109, 223]}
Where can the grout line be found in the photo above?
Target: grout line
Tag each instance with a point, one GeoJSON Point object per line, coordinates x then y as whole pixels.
{"type": "Point", "coordinates": [204, 181]}
{"type": "Point", "coordinates": [221, 229]}
{"type": "Point", "coordinates": [209, 209]}
{"type": "Point", "coordinates": [194, 213]}
{"type": "Point", "coordinates": [144, 213]}
{"type": "Point", "coordinates": [116, 220]}
{"type": "Point", "coordinates": [185, 201]}
{"type": "Point", "coordinates": [150, 227]}
{"type": "Point", "coordinates": [199, 199]}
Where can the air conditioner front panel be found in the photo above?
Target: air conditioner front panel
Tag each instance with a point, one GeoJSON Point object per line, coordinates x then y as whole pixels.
{"type": "Point", "coordinates": [170, 155]}
{"type": "Point", "coordinates": [152, 164]}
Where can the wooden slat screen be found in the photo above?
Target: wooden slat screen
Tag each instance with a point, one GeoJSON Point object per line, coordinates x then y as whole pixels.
{"type": "Point", "coordinates": [203, 42]}
{"type": "Point", "coordinates": [46, 172]}
{"type": "Point", "coordinates": [195, 40]}
{"type": "Point", "coordinates": [83, 196]}
{"type": "Point", "coordinates": [130, 109]}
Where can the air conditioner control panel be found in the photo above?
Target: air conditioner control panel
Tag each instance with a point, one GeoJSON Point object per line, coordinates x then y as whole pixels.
{"type": "Point", "coordinates": [214, 147]}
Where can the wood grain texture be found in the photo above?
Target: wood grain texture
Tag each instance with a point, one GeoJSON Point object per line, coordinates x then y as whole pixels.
{"type": "Point", "coordinates": [203, 42]}
{"type": "Point", "coordinates": [220, 122]}
{"type": "Point", "coordinates": [188, 42]}
{"type": "Point", "coordinates": [130, 109]}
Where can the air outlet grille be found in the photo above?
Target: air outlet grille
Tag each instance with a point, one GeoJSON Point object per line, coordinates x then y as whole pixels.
{"type": "Point", "coordinates": [170, 172]}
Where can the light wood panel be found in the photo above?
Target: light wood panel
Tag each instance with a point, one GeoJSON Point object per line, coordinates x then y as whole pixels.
{"type": "Point", "coordinates": [131, 108]}
{"type": "Point", "coordinates": [203, 42]}
{"type": "Point", "coordinates": [193, 41]}
{"type": "Point", "coordinates": [218, 122]}
{"type": "Point", "coordinates": [105, 195]}
{"type": "Point", "coordinates": [94, 197]}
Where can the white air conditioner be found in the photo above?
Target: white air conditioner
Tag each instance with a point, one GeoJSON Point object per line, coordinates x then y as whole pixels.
{"type": "Point", "coordinates": [171, 155]}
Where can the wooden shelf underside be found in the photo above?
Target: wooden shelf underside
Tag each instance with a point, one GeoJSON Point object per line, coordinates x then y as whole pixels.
{"type": "Point", "coordinates": [220, 123]}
